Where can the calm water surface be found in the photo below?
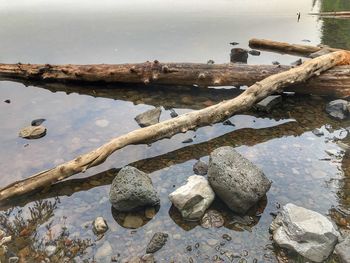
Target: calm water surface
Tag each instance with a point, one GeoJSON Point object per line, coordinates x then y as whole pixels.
{"type": "Point", "coordinates": [281, 143]}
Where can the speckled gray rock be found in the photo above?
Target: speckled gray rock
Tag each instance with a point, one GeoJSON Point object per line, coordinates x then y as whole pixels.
{"type": "Point", "coordinates": [237, 181]}
{"type": "Point", "coordinates": [157, 242]}
{"type": "Point", "coordinates": [149, 117]}
{"type": "Point", "coordinates": [343, 250]}
{"type": "Point", "coordinates": [132, 189]}
{"type": "Point", "coordinates": [338, 109]}
{"type": "Point", "coordinates": [200, 168]}
{"type": "Point", "coordinates": [304, 231]}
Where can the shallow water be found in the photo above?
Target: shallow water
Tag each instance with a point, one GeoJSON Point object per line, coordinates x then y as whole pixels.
{"type": "Point", "coordinates": [280, 143]}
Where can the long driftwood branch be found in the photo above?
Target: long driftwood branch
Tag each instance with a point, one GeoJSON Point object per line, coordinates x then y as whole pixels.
{"type": "Point", "coordinates": [334, 82]}
{"type": "Point", "coordinates": [340, 14]}
{"type": "Point", "coordinates": [283, 47]}
{"type": "Point", "coordinates": [180, 124]}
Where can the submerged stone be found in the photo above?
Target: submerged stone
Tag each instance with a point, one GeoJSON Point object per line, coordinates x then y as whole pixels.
{"type": "Point", "coordinates": [157, 242]}
{"type": "Point", "coordinates": [239, 55]}
{"type": "Point", "coordinates": [268, 103]}
{"type": "Point", "coordinates": [200, 168]}
{"type": "Point", "coordinates": [149, 117]}
{"type": "Point", "coordinates": [33, 132]}
{"type": "Point", "coordinates": [338, 109]}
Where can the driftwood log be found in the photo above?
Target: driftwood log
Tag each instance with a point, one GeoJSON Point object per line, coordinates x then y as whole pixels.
{"type": "Point", "coordinates": [340, 14]}
{"type": "Point", "coordinates": [286, 48]}
{"type": "Point", "coordinates": [180, 124]}
{"type": "Point", "coordinates": [335, 82]}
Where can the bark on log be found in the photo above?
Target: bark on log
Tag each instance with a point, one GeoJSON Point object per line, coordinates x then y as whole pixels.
{"type": "Point", "coordinates": [180, 124]}
{"type": "Point", "coordinates": [283, 47]}
{"type": "Point", "coordinates": [335, 82]}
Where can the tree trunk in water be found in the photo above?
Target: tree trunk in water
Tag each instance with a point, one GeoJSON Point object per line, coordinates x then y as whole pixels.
{"type": "Point", "coordinates": [180, 124]}
{"type": "Point", "coordinates": [335, 82]}
{"type": "Point", "coordinates": [282, 47]}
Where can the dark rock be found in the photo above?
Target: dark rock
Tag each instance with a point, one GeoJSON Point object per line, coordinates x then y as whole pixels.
{"type": "Point", "coordinates": [306, 40]}
{"type": "Point", "coordinates": [149, 117]}
{"type": "Point", "coordinates": [254, 52]}
{"type": "Point", "coordinates": [200, 168]}
{"type": "Point", "coordinates": [189, 140]}
{"type": "Point", "coordinates": [173, 113]}
{"type": "Point", "coordinates": [157, 242]}
{"type": "Point", "coordinates": [212, 218]}
{"type": "Point", "coordinates": [318, 132]}
{"type": "Point", "coordinates": [276, 63]}
{"type": "Point", "coordinates": [343, 250]}
{"type": "Point", "coordinates": [239, 55]}
{"type": "Point", "coordinates": [37, 122]}
{"type": "Point", "coordinates": [210, 62]}
{"type": "Point", "coordinates": [322, 52]}
{"type": "Point", "coordinates": [237, 181]}
{"type": "Point", "coordinates": [268, 103]}
{"type": "Point", "coordinates": [297, 62]}
{"type": "Point", "coordinates": [33, 132]}
{"type": "Point", "coordinates": [338, 109]}
{"type": "Point", "coordinates": [228, 122]}
{"type": "Point", "coordinates": [227, 237]}
{"type": "Point", "coordinates": [132, 189]}
{"type": "Point", "coordinates": [7, 101]}
{"type": "Point", "coordinates": [234, 43]}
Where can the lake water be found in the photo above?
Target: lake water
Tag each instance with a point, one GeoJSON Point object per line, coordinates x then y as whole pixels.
{"type": "Point", "coordinates": [82, 32]}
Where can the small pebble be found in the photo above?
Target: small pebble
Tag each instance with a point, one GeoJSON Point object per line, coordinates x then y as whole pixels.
{"type": "Point", "coordinates": [37, 122]}
{"type": "Point", "coordinates": [7, 101]}
{"type": "Point", "coordinates": [188, 140]}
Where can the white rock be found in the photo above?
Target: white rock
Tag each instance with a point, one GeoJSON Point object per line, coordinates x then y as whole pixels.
{"type": "Point", "coordinates": [50, 250]}
{"type": "Point", "coordinates": [100, 225]}
{"type": "Point", "coordinates": [307, 232]}
{"type": "Point", "coordinates": [193, 198]}
{"type": "Point", "coordinates": [104, 251]}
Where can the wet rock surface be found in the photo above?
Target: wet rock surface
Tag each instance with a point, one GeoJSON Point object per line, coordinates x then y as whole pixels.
{"type": "Point", "coordinates": [193, 198]}
{"type": "Point", "coordinates": [33, 132]}
{"type": "Point", "coordinates": [200, 168]}
{"type": "Point", "coordinates": [149, 117]}
{"type": "Point", "coordinates": [268, 103]}
{"type": "Point", "coordinates": [157, 242]}
{"type": "Point", "coordinates": [132, 189]}
{"type": "Point", "coordinates": [304, 231]}
{"type": "Point", "coordinates": [238, 182]}
{"type": "Point", "coordinates": [342, 250]}
{"type": "Point", "coordinates": [212, 218]}
{"type": "Point", "coordinates": [338, 109]}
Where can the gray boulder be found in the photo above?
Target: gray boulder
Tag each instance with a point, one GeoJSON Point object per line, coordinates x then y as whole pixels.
{"type": "Point", "coordinates": [237, 181]}
{"type": "Point", "coordinates": [149, 117]}
{"type": "Point", "coordinates": [132, 189]}
{"type": "Point", "coordinates": [306, 232]}
{"type": "Point", "coordinates": [193, 198]}
{"type": "Point", "coordinates": [343, 250]}
{"type": "Point", "coordinates": [338, 109]}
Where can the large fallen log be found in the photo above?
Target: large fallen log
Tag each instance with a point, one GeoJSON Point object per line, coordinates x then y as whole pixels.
{"type": "Point", "coordinates": [180, 124]}
{"type": "Point", "coordinates": [332, 14]}
{"type": "Point", "coordinates": [286, 48]}
{"type": "Point", "coordinates": [335, 82]}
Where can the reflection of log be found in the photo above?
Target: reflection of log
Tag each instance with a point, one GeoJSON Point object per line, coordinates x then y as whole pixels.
{"type": "Point", "coordinates": [182, 97]}
{"type": "Point", "coordinates": [181, 124]}
{"type": "Point", "coordinates": [282, 47]}
{"type": "Point", "coordinates": [335, 82]}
